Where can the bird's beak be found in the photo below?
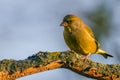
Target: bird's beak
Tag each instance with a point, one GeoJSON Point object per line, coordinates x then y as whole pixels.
{"type": "Point", "coordinates": [64, 24]}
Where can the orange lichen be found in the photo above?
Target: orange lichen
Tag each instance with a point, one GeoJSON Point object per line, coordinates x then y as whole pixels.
{"type": "Point", "coordinates": [42, 61]}
{"type": "Point", "coordinates": [92, 72]}
{"type": "Point", "coordinates": [6, 76]}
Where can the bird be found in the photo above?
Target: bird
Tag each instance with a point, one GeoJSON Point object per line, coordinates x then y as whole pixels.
{"type": "Point", "coordinates": [79, 37]}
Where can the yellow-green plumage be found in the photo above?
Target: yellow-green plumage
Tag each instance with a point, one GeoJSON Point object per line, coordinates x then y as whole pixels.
{"type": "Point", "coordinates": [80, 38]}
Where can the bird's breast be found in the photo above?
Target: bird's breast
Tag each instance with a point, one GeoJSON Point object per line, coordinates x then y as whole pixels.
{"type": "Point", "coordinates": [72, 42]}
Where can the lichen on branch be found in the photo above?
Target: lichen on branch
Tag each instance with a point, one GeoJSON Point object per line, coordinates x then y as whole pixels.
{"type": "Point", "coordinates": [42, 61]}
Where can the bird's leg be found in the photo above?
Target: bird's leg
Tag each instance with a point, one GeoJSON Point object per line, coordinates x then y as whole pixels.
{"type": "Point", "coordinates": [86, 57]}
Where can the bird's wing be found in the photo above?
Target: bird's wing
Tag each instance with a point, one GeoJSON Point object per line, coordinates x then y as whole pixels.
{"type": "Point", "coordinates": [92, 35]}
{"type": "Point", "coordinates": [89, 31]}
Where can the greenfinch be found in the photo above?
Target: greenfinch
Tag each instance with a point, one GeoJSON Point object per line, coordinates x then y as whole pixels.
{"type": "Point", "coordinates": [80, 38]}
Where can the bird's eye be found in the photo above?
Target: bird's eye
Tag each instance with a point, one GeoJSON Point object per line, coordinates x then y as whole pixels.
{"type": "Point", "coordinates": [69, 21]}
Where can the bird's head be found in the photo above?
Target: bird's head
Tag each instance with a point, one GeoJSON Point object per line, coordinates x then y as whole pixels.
{"type": "Point", "coordinates": [71, 21]}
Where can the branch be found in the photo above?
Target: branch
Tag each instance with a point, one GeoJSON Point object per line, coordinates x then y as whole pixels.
{"type": "Point", "coordinates": [42, 61]}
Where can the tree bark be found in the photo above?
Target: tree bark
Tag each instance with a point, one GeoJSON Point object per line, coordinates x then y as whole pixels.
{"type": "Point", "coordinates": [42, 61]}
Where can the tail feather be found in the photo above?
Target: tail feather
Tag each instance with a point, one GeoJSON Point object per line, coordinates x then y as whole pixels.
{"type": "Point", "coordinates": [103, 53]}
{"type": "Point", "coordinates": [106, 55]}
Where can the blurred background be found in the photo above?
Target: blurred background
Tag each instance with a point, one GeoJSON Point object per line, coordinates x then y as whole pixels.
{"type": "Point", "coordinates": [30, 26]}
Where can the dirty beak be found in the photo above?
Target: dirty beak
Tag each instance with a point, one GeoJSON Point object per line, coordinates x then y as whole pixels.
{"type": "Point", "coordinates": [64, 24]}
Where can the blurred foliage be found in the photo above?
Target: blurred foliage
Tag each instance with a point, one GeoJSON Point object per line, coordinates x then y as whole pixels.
{"type": "Point", "coordinates": [100, 21]}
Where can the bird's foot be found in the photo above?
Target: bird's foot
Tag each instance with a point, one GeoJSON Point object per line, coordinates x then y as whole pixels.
{"type": "Point", "coordinates": [86, 57]}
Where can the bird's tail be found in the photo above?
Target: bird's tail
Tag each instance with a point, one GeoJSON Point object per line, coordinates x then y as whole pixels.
{"type": "Point", "coordinates": [103, 53]}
